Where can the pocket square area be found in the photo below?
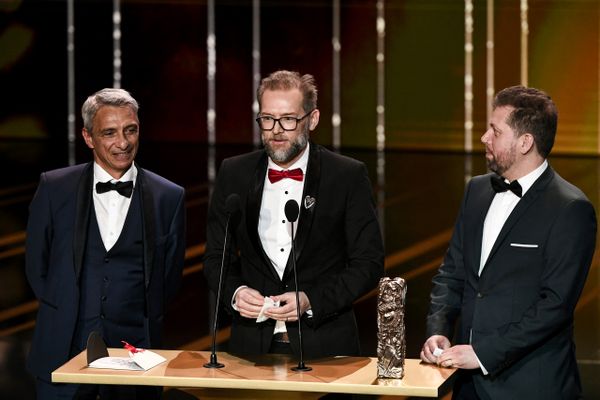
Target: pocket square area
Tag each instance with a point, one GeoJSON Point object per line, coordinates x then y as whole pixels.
{"type": "Point", "coordinates": [525, 245]}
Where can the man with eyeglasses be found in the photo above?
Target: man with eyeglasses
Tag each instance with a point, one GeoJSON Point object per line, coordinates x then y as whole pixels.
{"type": "Point", "coordinates": [337, 240]}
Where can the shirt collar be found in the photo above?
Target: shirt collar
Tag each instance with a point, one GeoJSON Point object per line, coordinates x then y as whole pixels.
{"type": "Point", "coordinates": [301, 163]}
{"type": "Point", "coordinates": [528, 180]}
{"type": "Point", "coordinates": [100, 175]}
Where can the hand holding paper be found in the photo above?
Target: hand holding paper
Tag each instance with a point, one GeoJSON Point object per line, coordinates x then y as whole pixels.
{"type": "Point", "coordinates": [266, 305]}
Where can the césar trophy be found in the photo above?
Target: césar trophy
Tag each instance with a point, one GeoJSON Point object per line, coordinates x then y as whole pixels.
{"type": "Point", "coordinates": [391, 340]}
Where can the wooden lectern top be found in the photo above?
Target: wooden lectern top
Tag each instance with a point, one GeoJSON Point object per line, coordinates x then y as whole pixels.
{"type": "Point", "coordinates": [356, 375]}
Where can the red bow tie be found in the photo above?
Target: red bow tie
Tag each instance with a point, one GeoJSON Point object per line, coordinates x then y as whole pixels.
{"type": "Point", "coordinates": [276, 176]}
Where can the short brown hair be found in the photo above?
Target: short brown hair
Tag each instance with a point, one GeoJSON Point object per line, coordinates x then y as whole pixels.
{"type": "Point", "coordinates": [534, 112]}
{"type": "Point", "coordinates": [287, 80]}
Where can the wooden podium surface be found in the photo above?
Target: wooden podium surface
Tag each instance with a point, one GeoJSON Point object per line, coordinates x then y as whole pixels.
{"type": "Point", "coordinates": [185, 369]}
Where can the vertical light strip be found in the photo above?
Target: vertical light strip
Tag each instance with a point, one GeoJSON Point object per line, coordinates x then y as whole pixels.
{"type": "Point", "coordinates": [211, 115]}
{"type": "Point", "coordinates": [524, 41]}
{"type": "Point", "coordinates": [336, 118]}
{"type": "Point", "coordinates": [212, 70]}
{"type": "Point", "coordinates": [468, 76]}
{"type": "Point", "coordinates": [380, 76]}
{"type": "Point", "coordinates": [490, 90]}
{"type": "Point", "coordinates": [117, 43]}
{"type": "Point", "coordinates": [71, 80]}
{"type": "Point", "coordinates": [255, 68]}
{"type": "Point", "coordinates": [381, 114]}
{"type": "Point", "coordinates": [598, 94]}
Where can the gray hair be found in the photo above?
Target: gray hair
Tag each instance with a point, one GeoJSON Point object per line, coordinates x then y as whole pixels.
{"type": "Point", "coordinates": [106, 97]}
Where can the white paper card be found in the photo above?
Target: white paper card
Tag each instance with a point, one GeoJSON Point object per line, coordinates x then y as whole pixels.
{"type": "Point", "coordinates": [147, 359]}
{"type": "Point", "coordinates": [140, 361]}
{"type": "Point", "coordinates": [267, 304]}
{"type": "Point", "coordinates": [116, 363]}
{"type": "Point", "coordinates": [437, 352]}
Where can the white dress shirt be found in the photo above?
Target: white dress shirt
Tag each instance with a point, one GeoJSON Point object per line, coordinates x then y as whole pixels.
{"type": "Point", "coordinates": [274, 229]}
{"type": "Point", "coordinates": [500, 209]}
{"type": "Point", "coordinates": [111, 207]}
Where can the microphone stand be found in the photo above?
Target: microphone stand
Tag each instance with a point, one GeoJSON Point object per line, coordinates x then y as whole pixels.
{"type": "Point", "coordinates": [214, 363]}
{"type": "Point", "coordinates": [300, 367]}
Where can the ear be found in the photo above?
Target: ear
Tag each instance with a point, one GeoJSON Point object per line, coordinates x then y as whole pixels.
{"type": "Point", "coordinates": [88, 138]}
{"type": "Point", "coordinates": [527, 143]}
{"type": "Point", "coordinates": [314, 119]}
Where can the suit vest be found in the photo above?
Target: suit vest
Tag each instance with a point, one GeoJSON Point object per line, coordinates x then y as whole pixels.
{"type": "Point", "coordinates": [112, 292]}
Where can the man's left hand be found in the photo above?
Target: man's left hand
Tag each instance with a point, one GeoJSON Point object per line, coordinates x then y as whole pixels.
{"type": "Point", "coordinates": [460, 356]}
{"type": "Point", "coordinates": [287, 309]}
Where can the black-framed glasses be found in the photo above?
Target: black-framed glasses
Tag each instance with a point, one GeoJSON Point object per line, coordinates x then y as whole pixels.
{"type": "Point", "coordinates": [287, 123]}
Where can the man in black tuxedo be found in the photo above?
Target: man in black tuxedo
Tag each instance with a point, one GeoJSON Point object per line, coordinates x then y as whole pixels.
{"type": "Point", "coordinates": [516, 265]}
{"type": "Point", "coordinates": [105, 248]}
{"type": "Point", "coordinates": [338, 246]}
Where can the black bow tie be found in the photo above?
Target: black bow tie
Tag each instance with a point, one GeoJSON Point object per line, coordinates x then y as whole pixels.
{"type": "Point", "coordinates": [123, 188]}
{"type": "Point", "coordinates": [500, 185]}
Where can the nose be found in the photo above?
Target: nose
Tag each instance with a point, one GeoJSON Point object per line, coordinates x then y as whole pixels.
{"type": "Point", "coordinates": [486, 136]}
{"type": "Point", "coordinates": [122, 140]}
{"type": "Point", "coordinates": [278, 128]}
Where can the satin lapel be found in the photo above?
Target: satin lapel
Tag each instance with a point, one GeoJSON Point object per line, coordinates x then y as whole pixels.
{"type": "Point", "coordinates": [83, 206]}
{"type": "Point", "coordinates": [308, 203]}
{"type": "Point", "coordinates": [148, 223]}
{"type": "Point", "coordinates": [474, 233]}
{"type": "Point", "coordinates": [253, 203]}
{"type": "Point", "coordinates": [528, 199]}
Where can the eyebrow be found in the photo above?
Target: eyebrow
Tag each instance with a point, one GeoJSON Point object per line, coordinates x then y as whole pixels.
{"type": "Point", "coordinates": [281, 115]}
{"type": "Point", "coordinates": [114, 129]}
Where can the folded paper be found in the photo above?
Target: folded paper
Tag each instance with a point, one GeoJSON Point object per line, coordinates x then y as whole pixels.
{"type": "Point", "coordinates": [269, 303]}
{"type": "Point", "coordinates": [138, 360]}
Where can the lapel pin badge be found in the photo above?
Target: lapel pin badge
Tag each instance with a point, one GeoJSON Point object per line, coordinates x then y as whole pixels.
{"type": "Point", "coordinates": [309, 202]}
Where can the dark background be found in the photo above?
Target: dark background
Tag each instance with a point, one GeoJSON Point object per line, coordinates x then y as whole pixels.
{"type": "Point", "coordinates": [164, 65]}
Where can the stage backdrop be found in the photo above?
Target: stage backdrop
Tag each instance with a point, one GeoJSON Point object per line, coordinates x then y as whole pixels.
{"type": "Point", "coordinates": [164, 63]}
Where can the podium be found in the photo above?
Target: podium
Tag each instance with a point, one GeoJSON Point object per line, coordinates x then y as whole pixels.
{"type": "Point", "coordinates": [249, 375]}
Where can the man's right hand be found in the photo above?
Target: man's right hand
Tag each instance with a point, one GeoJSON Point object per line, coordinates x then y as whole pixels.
{"type": "Point", "coordinates": [435, 341]}
{"type": "Point", "coordinates": [249, 302]}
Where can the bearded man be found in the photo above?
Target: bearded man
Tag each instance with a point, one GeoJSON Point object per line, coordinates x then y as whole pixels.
{"type": "Point", "coordinates": [517, 262]}
{"type": "Point", "coordinates": [338, 245]}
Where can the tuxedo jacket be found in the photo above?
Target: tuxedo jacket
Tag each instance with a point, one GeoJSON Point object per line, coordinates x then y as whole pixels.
{"type": "Point", "coordinates": [518, 315]}
{"type": "Point", "coordinates": [56, 239]}
{"type": "Point", "coordinates": [338, 248]}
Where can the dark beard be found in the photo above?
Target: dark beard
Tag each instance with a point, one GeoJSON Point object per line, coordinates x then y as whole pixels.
{"type": "Point", "coordinates": [504, 163]}
{"type": "Point", "coordinates": [494, 167]}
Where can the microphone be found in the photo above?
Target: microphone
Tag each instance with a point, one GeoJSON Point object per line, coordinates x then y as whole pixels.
{"type": "Point", "coordinates": [291, 213]}
{"type": "Point", "coordinates": [232, 206]}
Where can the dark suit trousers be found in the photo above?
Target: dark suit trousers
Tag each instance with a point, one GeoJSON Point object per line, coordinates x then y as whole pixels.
{"type": "Point", "coordinates": [464, 388]}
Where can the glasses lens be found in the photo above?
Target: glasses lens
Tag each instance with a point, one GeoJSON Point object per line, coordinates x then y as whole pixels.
{"type": "Point", "coordinates": [288, 123]}
{"type": "Point", "coordinates": [266, 123]}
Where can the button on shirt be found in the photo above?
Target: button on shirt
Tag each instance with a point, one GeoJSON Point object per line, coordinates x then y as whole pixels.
{"type": "Point", "coordinates": [274, 229]}
{"type": "Point", "coordinates": [111, 207]}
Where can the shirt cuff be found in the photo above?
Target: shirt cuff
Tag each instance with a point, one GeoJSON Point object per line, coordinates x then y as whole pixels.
{"type": "Point", "coordinates": [485, 372]}
{"type": "Point", "coordinates": [235, 294]}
